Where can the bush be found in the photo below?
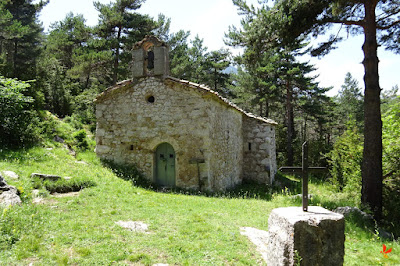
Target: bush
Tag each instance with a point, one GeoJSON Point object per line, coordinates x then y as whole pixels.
{"type": "Point", "coordinates": [345, 159]}
{"type": "Point", "coordinates": [84, 107]}
{"type": "Point", "coordinates": [81, 139]}
{"type": "Point", "coordinates": [51, 126]}
{"type": "Point", "coordinates": [17, 118]}
{"type": "Point", "coordinates": [391, 167]}
{"type": "Point", "coordinates": [74, 121]}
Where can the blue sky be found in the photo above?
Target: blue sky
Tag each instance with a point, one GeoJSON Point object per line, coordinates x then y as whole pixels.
{"type": "Point", "coordinates": [210, 19]}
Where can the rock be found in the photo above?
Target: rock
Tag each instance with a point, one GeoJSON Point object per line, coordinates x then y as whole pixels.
{"type": "Point", "coordinates": [257, 237]}
{"type": "Point", "coordinates": [9, 195]}
{"type": "Point", "coordinates": [10, 174]}
{"type": "Point", "coordinates": [3, 183]}
{"type": "Point", "coordinates": [35, 193]}
{"type": "Point", "coordinates": [315, 237]}
{"type": "Point", "coordinates": [37, 201]}
{"type": "Point", "coordinates": [347, 210]}
{"type": "Point", "coordinates": [58, 139]}
{"type": "Point", "coordinates": [384, 234]}
{"type": "Point", "coordinates": [136, 226]}
{"type": "Point", "coordinates": [46, 177]}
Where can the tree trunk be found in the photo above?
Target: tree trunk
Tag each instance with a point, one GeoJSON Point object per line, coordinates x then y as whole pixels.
{"type": "Point", "coordinates": [116, 60]}
{"type": "Point", "coordinates": [88, 77]}
{"type": "Point", "coordinates": [14, 63]}
{"type": "Point", "coordinates": [371, 192]}
{"type": "Point", "coordinates": [215, 79]}
{"type": "Point", "coordinates": [289, 123]}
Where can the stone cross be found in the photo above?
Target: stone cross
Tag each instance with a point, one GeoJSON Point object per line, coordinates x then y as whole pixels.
{"type": "Point", "coordinates": [303, 170]}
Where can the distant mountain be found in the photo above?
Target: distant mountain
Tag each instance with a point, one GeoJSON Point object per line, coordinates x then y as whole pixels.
{"type": "Point", "coordinates": [230, 70]}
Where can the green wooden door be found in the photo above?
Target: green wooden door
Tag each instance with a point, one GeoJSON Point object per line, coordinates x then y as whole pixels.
{"type": "Point", "coordinates": [165, 165]}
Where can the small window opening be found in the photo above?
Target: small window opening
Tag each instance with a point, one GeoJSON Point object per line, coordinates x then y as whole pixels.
{"type": "Point", "coordinates": [131, 147]}
{"type": "Point", "coordinates": [171, 156]}
{"type": "Point", "coordinates": [150, 60]}
{"type": "Point", "coordinates": [151, 99]}
{"type": "Point", "coordinates": [249, 146]}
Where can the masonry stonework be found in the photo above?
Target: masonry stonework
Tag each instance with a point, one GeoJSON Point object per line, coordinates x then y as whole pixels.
{"type": "Point", "coordinates": [259, 158]}
{"type": "Point", "coordinates": [209, 135]}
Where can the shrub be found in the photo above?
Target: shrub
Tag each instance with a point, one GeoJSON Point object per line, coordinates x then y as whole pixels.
{"type": "Point", "coordinates": [391, 167]}
{"type": "Point", "coordinates": [51, 126]}
{"type": "Point", "coordinates": [17, 119]}
{"type": "Point", "coordinates": [345, 159]}
{"type": "Point", "coordinates": [74, 121]}
{"type": "Point", "coordinates": [81, 139]}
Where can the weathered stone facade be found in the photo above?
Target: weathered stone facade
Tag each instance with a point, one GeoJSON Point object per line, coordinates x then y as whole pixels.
{"type": "Point", "coordinates": [209, 138]}
{"type": "Point", "coordinates": [259, 149]}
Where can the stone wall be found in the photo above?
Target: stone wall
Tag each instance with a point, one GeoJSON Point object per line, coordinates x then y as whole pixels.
{"type": "Point", "coordinates": [205, 134]}
{"type": "Point", "coordinates": [259, 155]}
{"type": "Point", "coordinates": [226, 152]}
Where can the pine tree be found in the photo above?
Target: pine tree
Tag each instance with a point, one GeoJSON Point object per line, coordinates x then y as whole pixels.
{"type": "Point", "coordinates": [350, 102]}
{"type": "Point", "coordinates": [289, 22]}
{"type": "Point", "coordinates": [20, 38]}
{"type": "Point", "coordinates": [119, 28]}
{"type": "Point", "coordinates": [216, 63]}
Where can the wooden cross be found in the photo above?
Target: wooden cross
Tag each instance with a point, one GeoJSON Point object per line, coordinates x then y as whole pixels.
{"type": "Point", "coordinates": [304, 169]}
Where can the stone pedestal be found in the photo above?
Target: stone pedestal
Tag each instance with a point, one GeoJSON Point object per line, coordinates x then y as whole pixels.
{"type": "Point", "coordinates": [315, 237]}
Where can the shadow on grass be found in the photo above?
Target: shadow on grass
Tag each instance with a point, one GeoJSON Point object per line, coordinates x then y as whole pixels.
{"type": "Point", "coordinates": [62, 185]}
{"type": "Point", "coordinates": [246, 190]}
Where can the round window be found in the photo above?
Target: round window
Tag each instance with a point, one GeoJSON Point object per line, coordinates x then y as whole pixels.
{"type": "Point", "coordinates": [151, 99]}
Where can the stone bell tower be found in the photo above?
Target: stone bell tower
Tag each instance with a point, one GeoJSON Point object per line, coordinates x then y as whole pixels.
{"type": "Point", "coordinates": [150, 58]}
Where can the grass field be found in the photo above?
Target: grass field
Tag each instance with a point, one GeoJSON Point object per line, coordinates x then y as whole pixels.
{"type": "Point", "coordinates": [185, 228]}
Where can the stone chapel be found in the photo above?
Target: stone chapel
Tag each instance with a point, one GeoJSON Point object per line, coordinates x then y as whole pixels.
{"type": "Point", "coordinates": [179, 133]}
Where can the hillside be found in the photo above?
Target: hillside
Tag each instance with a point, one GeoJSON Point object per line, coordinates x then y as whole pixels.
{"type": "Point", "coordinates": [185, 228]}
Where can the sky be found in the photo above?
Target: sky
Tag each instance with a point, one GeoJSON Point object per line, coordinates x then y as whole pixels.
{"type": "Point", "coordinates": [210, 19]}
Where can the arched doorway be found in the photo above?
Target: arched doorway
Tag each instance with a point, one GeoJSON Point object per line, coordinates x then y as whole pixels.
{"type": "Point", "coordinates": [165, 165]}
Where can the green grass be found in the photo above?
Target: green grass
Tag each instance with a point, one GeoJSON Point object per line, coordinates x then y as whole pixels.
{"type": "Point", "coordinates": [186, 228]}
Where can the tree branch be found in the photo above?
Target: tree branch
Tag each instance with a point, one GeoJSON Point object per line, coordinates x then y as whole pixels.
{"type": "Point", "coordinates": [360, 23]}
{"type": "Point", "coordinates": [389, 15]}
{"type": "Point", "coordinates": [388, 26]}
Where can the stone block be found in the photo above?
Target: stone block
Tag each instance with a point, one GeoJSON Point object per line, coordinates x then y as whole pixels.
{"type": "Point", "coordinates": [264, 146]}
{"type": "Point", "coordinates": [10, 175]}
{"type": "Point", "coordinates": [100, 132]}
{"type": "Point", "coordinates": [315, 237]}
{"type": "Point", "coordinates": [138, 63]}
{"type": "Point", "coordinates": [46, 177]}
{"type": "Point", "coordinates": [9, 195]}
{"type": "Point", "coordinates": [102, 149]}
{"type": "Point", "coordinates": [99, 113]}
{"type": "Point", "coordinates": [161, 61]}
